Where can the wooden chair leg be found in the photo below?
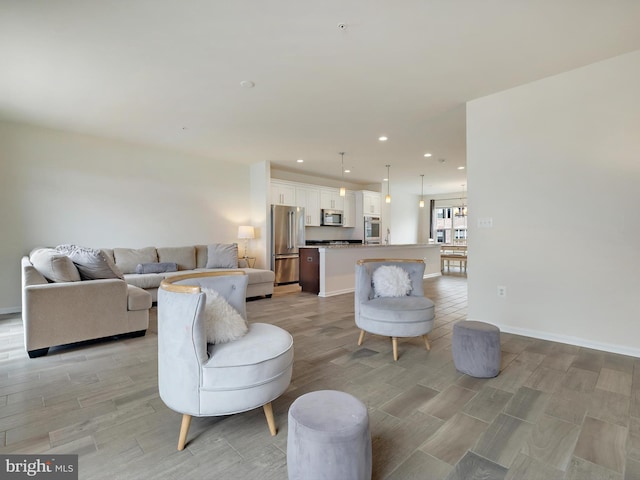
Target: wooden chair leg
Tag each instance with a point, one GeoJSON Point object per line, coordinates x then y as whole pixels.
{"type": "Point", "coordinates": [361, 339]}
{"type": "Point", "coordinates": [426, 342]}
{"type": "Point", "coordinates": [394, 342]}
{"type": "Point", "coordinates": [268, 412]}
{"type": "Point", "coordinates": [184, 429]}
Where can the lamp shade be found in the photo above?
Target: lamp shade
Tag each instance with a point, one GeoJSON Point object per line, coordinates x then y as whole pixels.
{"type": "Point", "coordinates": [246, 232]}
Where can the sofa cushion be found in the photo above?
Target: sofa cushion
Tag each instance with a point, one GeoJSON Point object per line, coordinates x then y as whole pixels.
{"type": "Point", "coordinates": [222, 255]}
{"type": "Point", "coordinates": [222, 322]}
{"type": "Point", "coordinates": [138, 299]}
{"type": "Point", "coordinates": [201, 256]}
{"type": "Point", "coordinates": [127, 259]}
{"type": "Point", "coordinates": [93, 264]}
{"type": "Point", "coordinates": [144, 280]}
{"type": "Point", "coordinates": [159, 267]}
{"type": "Point", "coordinates": [184, 257]}
{"type": "Point", "coordinates": [54, 266]}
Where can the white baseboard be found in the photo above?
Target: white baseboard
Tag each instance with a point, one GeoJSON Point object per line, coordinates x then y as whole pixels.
{"type": "Point", "coordinates": [336, 292]}
{"type": "Point", "coordinates": [577, 341]}
{"type": "Point", "coordinates": [10, 310]}
{"type": "Point", "coordinates": [432, 275]}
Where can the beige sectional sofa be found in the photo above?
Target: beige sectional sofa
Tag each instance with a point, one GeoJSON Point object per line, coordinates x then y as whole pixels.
{"type": "Point", "coordinates": [59, 313]}
{"type": "Point", "coordinates": [67, 298]}
{"type": "Point", "coordinates": [188, 259]}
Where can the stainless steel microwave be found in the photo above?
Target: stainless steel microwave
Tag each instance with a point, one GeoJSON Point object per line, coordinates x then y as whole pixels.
{"type": "Point", "coordinates": [332, 218]}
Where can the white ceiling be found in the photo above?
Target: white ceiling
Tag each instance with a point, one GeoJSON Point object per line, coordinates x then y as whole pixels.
{"type": "Point", "coordinates": [168, 73]}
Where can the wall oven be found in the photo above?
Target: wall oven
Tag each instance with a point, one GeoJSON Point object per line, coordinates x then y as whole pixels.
{"type": "Point", "coordinates": [371, 230]}
{"type": "Point", "coordinates": [332, 218]}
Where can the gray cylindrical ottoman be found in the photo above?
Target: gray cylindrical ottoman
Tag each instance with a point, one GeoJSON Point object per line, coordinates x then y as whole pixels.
{"type": "Point", "coordinates": [476, 348]}
{"type": "Point", "coordinates": [328, 438]}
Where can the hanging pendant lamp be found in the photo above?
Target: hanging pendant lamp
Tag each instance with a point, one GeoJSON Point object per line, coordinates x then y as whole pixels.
{"type": "Point", "coordinates": [387, 199]}
{"type": "Point", "coordinates": [343, 190]}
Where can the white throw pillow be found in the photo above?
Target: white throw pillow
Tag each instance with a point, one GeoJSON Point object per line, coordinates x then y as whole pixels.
{"type": "Point", "coordinates": [391, 281]}
{"type": "Point", "coordinates": [223, 323]}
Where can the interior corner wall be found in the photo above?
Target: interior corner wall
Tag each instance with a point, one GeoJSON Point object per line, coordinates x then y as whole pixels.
{"type": "Point", "coordinates": [555, 165]}
{"type": "Point", "coordinates": [59, 187]}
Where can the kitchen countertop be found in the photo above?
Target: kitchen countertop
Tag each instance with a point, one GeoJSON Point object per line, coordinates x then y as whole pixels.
{"type": "Point", "coordinates": [359, 245]}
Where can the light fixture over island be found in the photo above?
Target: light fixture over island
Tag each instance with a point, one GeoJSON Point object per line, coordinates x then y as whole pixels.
{"type": "Point", "coordinates": [329, 270]}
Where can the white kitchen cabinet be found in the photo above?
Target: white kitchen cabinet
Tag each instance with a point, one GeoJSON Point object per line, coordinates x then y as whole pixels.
{"type": "Point", "coordinates": [330, 199]}
{"type": "Point", "coordinates": [309, 198]}
{"type": "Point", "coordinates": [283, 193]}
{"type": "Point", "coordinates": [370, 203]}
{"type": "Point", "coordinates": [349, 219]}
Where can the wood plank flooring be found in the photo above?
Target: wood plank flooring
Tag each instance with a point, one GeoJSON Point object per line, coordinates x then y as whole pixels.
{"type": "Point", "coordinates": [555, 411]}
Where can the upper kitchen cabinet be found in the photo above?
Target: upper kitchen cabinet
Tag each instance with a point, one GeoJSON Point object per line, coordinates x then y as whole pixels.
{"type": "Point", "coordinates": [309, 198]}
{"type": "Point", "coordinates": [283, 193]}
{"type": "Point", "coordinates": [349, 218]}
{"type": "Point", "coordinates": [330, 199]}
{"type": "Point", "coordinates": [370, 203]}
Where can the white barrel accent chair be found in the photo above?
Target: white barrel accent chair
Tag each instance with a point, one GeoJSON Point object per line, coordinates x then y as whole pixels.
{"type": "Point", "coordinates": [201, 379]}
{"type": "Point", "coordinates": [410, 315]}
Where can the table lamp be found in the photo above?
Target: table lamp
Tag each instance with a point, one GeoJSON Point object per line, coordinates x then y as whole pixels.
{"type": "Point", "coordinates": [246, 232]}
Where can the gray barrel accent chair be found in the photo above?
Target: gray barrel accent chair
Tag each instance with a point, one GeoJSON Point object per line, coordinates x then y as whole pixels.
{"type": "Point", "coordinates": [411, 315]}
{"type": "Point", "coordinates": [200, 379]}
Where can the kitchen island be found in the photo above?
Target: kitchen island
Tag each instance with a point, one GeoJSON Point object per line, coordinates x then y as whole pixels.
{"type": "Point", "coordinates": [330, 269]}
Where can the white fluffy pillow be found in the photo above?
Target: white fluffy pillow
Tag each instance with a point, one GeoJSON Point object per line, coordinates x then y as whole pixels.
{"type": "Point", "coordinates": [391, 281]}
{"type": "Point", "coordinates": [223, 323]}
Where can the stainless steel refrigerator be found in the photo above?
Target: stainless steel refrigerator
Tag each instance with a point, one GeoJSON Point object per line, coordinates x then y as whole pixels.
{"type": "Point", "coordinates": [287, 234]}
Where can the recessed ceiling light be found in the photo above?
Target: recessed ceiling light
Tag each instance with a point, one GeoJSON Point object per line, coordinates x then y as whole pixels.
{"type": "Point", "coordinates": [247, 84]}
{"type": "Point", "coordinates": [461, 168]}
{"type": "Point", "coordinates": [347, 170]}
{"type": "Point", "coordinates": [383, 138]}
{"type": "Point", "coordinates": [300, 160]}
{"type": "Point", "coordinates": [385, 179]}
{"type": "Point", "coordinates": [427, 154]}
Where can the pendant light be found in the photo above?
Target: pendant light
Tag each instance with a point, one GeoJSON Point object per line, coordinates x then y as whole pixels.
{"type": "Point", "coordinates": [462, 209]}
{"type": "Point", "coordinates": [343, 190]}
{"type": "Point", "coordinates": [387, 199]}
{"type": "Point", "coordinates": [422, 191]}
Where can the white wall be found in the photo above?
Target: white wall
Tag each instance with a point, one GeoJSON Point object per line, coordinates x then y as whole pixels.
{"type": "Point", "coordinates": [402, 217]}
{"type": "Point", "coordinates": [564, 152]}
{"type": "Point", "coordinates": [64, 188]}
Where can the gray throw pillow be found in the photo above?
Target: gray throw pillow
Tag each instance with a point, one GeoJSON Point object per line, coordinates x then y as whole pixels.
{"type": "Point", "coordinates": [93, 264]}
{"type": "Point", "coordinates": [160, 267]}
{"type": "Point", "coordinates": [54, 266]}
{"type": "Point", "coordinates": [222, 255]}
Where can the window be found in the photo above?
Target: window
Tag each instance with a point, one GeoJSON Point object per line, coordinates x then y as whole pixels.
{"type": "Point", "coordinates": [450, 229]}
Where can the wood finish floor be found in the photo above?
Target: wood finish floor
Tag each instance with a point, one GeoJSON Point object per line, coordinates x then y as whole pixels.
{"type": "Point", "coordinates": [555, 411]}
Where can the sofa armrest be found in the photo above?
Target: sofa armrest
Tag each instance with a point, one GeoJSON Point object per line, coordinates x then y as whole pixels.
{"type": "Point", "coordinates": [61, 313]}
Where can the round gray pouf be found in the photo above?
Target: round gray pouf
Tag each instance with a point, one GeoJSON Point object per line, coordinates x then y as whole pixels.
{"type": "Point", "coordinates": [476, 348]}
{"type": "Point", "coordinates": [328, 437]}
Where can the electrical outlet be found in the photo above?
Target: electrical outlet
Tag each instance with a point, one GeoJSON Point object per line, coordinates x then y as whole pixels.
{"type": "Point", "coordinates": [502, 291]}
{"type": "Point", "coordinates": [485, 222]}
